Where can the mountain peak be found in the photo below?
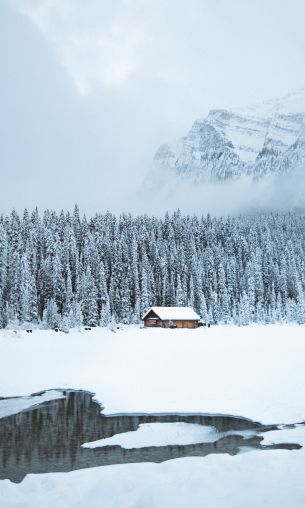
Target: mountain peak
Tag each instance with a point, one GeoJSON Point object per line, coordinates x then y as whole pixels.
{"type": "Point", "coordinates": [229, 143]}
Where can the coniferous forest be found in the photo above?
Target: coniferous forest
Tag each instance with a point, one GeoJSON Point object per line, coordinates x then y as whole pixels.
{"type": "Point", "coordinates": [63, 269]}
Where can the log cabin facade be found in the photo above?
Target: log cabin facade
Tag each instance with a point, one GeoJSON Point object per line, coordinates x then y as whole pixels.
{"type": "Point", "coordinates": [171, 317]}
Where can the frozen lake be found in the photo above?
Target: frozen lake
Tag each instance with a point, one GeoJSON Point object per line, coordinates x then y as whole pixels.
{"type": "Point", "coordinates": [70, 432]}
{"type": "Point", "coordinates": [163, 395]}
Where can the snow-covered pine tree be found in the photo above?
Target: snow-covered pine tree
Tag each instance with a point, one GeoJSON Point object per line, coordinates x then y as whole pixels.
{"type": "Point", "coordinates": [51, 317]}
{"type": "Point", "coordinates": [247, 268]}
{"type": "Point", "coordinates": [89, 299]}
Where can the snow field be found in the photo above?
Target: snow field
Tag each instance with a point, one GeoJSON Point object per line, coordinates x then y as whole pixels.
{"type": "Point", "coordinates": [13, 406]}
{"type": "Point", "coordinates": [256, 372]}
{"type": "Point", "coordinates": [272, 479]}
{"type": "Point", "coordinates": [159, 434]}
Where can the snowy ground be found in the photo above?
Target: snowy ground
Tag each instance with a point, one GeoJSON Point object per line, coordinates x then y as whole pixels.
{"type": "Point", "coordinates": [256, 372]}
{"type": "Point", "coordinates": [13, 406]}
{"type": "Point", "coordinates": [269, 479]}
{"type": "Point", "coordinates": [160, 434]}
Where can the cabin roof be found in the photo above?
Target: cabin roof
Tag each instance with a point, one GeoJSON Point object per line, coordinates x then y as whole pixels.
{"type": "Point", "coordinates": [182, 313]}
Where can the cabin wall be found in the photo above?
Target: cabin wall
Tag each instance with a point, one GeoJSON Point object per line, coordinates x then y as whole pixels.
{"type": "Point", "coordinates": [153, 322]}
{"type": "Point", "coordinates": [179, 323]}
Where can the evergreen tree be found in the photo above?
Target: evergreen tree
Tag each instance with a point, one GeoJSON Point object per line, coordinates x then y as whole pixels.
{"type": "Point", "coordinates": [51, 317]}
{"type": "Point", "coordinates": [89, 300]}
{"type": "Point", "coordinates": [241, 269]}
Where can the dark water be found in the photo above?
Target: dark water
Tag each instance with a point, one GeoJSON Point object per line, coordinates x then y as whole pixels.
{"type": "Point", "coordinates": [48, 437]}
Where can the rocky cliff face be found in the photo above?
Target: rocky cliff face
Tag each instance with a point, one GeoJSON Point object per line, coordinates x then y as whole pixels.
{"type": "Point", "coordinates": [263, 139]}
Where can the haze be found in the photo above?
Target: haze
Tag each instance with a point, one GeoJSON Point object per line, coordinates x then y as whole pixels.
{"type": "Point", "coordinates": [89, 90]}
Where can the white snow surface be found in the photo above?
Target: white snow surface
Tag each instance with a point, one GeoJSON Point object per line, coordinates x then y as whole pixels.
{"type": "Point", "coordinates": [183, 313]}
{"type": "Point", "coordinates": [160, 434]}
{"type": "Point", "coordinates": [290, 103]}
{"type": "Point", "coordinates": [272, 479]}
{"type": "Point", "coordinates": [284, 435]}
{"type": "Point", "coordinates": [15, 405]}
{"type": "Point", "coordinates": [256, 371]}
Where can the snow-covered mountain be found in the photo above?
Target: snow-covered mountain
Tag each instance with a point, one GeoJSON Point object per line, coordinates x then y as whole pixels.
{"type": "Point", "coordinates": [266, 138]}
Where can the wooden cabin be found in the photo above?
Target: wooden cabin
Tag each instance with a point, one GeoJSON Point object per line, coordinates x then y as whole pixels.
{"type": "Point", "coordinates": [171, 317]}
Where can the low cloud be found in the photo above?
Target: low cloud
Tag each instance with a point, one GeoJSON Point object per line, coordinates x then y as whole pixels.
{"type": "Point", "coordinates": [273, 192]}
{"type": "Point", "coordinates": [91, 89]}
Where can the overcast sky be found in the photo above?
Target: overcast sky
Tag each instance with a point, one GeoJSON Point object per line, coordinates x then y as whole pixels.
{"type": "Point", "coordinates": [90, 89]}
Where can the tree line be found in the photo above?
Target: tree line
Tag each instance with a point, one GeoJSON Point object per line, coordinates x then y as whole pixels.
{"type": "Point", "coordinates": [66, 270]}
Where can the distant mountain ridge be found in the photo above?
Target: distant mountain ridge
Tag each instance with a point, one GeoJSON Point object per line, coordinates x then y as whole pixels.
{"type": "Point", "coordinates": [267, 138]}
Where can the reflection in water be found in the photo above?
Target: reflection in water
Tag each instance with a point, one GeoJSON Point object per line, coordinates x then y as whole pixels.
{"type": "Point", "coordinates": [48, 437]}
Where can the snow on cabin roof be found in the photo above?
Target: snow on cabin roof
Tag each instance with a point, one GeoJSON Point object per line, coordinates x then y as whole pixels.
{"type": "Point", "coordinates": [182, 313]}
